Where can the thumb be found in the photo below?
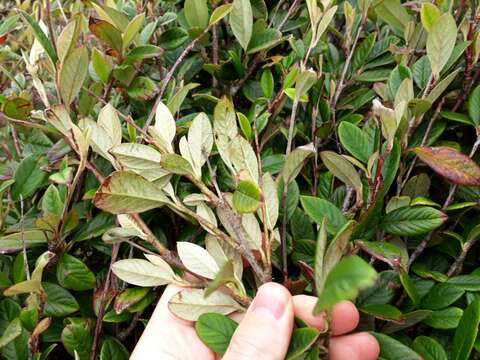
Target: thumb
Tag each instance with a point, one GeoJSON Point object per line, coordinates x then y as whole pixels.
{"type": "Point", "coordinates": [264, 333]}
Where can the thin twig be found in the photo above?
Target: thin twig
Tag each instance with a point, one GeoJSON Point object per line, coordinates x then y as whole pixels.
{"type": "Point", "coordinates": [103, 303]}
{"type": "Point", "coordinates": [259, 56]}
{"type": "Point", "coordinates": [24, 245]}
{"type": "Point", "coordinates": [169, 76]}
{"type": "Point", "coordinates": [341, 82]}
{"type": "Point", "coordinates": [283, 237]}
{"type": "Point", "coordinates": [424, 141]}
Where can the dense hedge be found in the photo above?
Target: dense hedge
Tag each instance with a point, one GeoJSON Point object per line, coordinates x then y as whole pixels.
{"type": "Point", "coordinates": [328, 146]}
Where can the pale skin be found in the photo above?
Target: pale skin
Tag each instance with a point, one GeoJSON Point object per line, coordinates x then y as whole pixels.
{"type": "Point", "coordinates": [264, 331]}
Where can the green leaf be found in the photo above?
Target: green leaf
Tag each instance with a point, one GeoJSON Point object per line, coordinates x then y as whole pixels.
{"type": "Point", "coordinates": [267, 83]}
{"type": "Point", "coordinates": [409, 287]}
{"type": "Point", "coordinates": [67, 39]}
{"type": "Point", "coordinates": [363, 51]}
{"type": "Point", "coordinates": [264, 39]}
{"type": "Point", "coordinates": [8, 24]}
{"type": "Point", "coordinates": [320, 273]}
{"type": "Point", "coordinates": [13, 330]}
{"type": "Point", "coordinates": [337, 248]}
{"type": "Point", "coordinates": [15, 241]}
{"type": "Point", "coordinates": [408, 221]}
{"type": "Point", "coordinates": [28, 177]}
{"type": "Point", "coordinates": [215, 331]}
{"type": "Point", "coordinates": [466, 282]}
{"type": "Point", "coordinates": [441, 86]}
{"type": "Point", "coordinates": [52, 203]}
{"type": "Point", "coordinates": [17, 108]}
{"type": "Point", "coordinates": [355, 140]}
{"type": "Point", "coordinates": [305, 80]}
{"type": "Point", "coordinates": [429, 348]}
{"type": "Point", "coordinates": [444, 319]}
{"type": "Point", "coordinates": [383, 251]}
{"type": "Point", "coordinates": [474, 106]}
{"type": "Point", "coordinates": [343, 170]}
{"type": "Point", "coordinates": [441, 295]}
{"type": "Point", "coordinates": [132, 30]}
{"type": "Point", "coordinates": [59, 301]}
{"type": "Point", "coordinates": [196, 13]}
{"type": "Point", "coordinates": [241, 21]}
{"type": "Point", "coordinates": [246, 197]}
{"type": "Point", "coordinates": [129, 297]}
{"type": "Point", "coordinates": [301, 341]}
{"type": "Point", "coordinates": [73, 274]}
{"type": "Point", "coordinates": [77, 337]}
{"type": "Point", "coordinates": [173, 38]}
{"type": "Point", "coordinates": [39, 35]}
{"type": "Point", "coordinates": [245, 125]}
{"type": "Point", "coordinates": [391, 349]}
{"type": "Point", "coordinates": [143, 52]}
{"type": "Point", "coordinates": [383, 312]}
{"type": "Point", "coordinates": [429, 15]}
{"type": "Point", "coordinates": [72, 74]}
{"type": "Point", "coordinates": [125, 192]}
{"type": "Point", "coordinates": [101, 65]}
{"type": "Point", "coordinates": [176, 164]}
{"type": "Point", "coordinates": [219, 13]}
{"type": "Point", "coordinates": [318, 209]}
{"type": "Point", "coordinates": [466, 332]}
{"type": "Point", "coordinates": [346, 279]}
{"type": "Point", "coordinates": [113, 349]}
{"type": "Point", "coordinates": [295, 161]}
{"type": "Point", "coordinates": [441, 41]}
{"type": "Point", "coordinates": [142, 88]}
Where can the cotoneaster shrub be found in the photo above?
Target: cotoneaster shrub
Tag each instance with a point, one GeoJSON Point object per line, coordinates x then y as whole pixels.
{"type": "Point", "coordinates": [331, 147]}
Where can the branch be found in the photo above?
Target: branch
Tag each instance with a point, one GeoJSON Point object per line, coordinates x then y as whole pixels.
{"type": "Point", "coordinates": [253, 66]}
{"type": "Point", "coordinates": [340, 83]}
{"type": "Point", "coordinates": [169, 76]}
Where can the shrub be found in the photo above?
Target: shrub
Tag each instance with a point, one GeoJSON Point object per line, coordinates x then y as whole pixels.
{"type": "Point", "coordinates": [327, 146]}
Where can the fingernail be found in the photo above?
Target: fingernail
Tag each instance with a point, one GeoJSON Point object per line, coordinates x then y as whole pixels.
{"type": "Point", "coordinates": [270, 301]}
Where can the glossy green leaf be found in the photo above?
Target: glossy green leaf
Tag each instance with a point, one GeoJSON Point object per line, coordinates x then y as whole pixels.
{"type": "Point", "coordinates": [73, 274]}
{"type": "Point", "coordinates": [246, 197]}
{"type": "Point", "coordinates": [318, 209]}
{"type": "Point", "coordinates": [355, 141]}
{"type": "Point", "coordinates": [215, 331]}
{"type": "Point", "coordinates": [196, 13]}
{"type": "Point", "coordinates": [429, 348]}
{"type": "Point", "coordinates": [391, 349]}
{"type": "Point", "coordinates": [301, 341]}
{"type": "Point", "coordinates": [346, 279]}
{"type": "Point", "coordinates": [241, 21]}
{"type": "Point", "coordinates": [466, 332]}
{"type": "Point", "coordinates": [441, 41]}
{"type": "Point", "coordinates": [408, 221]}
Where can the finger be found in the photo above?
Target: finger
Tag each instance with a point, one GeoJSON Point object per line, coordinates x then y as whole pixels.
{"type": "Point", "coordinates": [361, 346]}
{"type": "Point", "coordinates": [165, 332]}
{"type": "Point", "coordinates": [345, 315]}
{"type": "Point", "coordinates": [265, 331]}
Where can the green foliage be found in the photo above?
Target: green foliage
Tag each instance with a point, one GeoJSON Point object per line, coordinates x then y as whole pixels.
{"type": "Point", "coordinates": [333, 144]}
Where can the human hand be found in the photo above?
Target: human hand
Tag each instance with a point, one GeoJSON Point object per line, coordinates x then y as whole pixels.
{"type": "Point", "coordinates": [264, 331]}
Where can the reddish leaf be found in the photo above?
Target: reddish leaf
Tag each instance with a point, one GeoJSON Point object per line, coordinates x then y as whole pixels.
{"type": "Point", "coordinates": [107, 33]}
{"type": "Point", "coordinates": [3, 38]}
{"type": "Point", "coordinates": [451, 164]}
